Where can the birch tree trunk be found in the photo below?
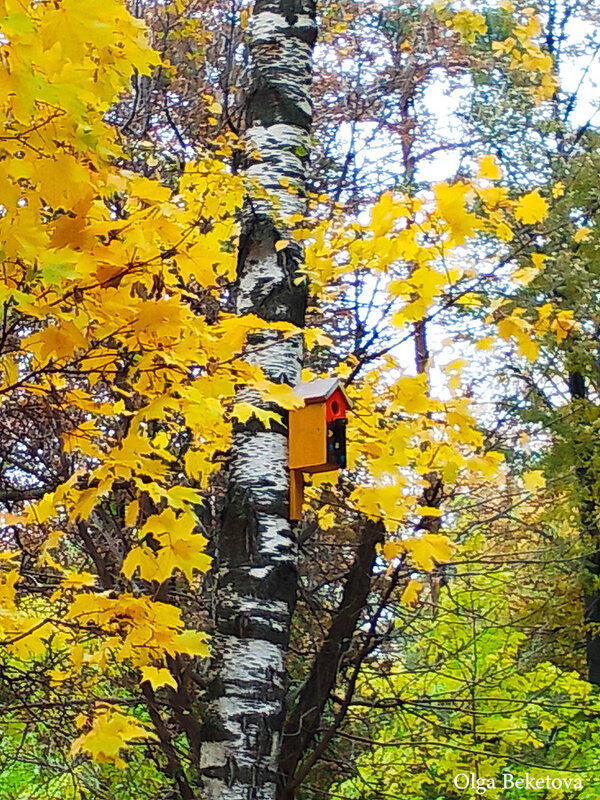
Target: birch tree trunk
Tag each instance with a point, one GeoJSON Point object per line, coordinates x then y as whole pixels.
{"type": "Point", "coordinates": [256, 571]}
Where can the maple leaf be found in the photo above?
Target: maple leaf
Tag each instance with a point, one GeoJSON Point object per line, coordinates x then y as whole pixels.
{"type": "Point", "coordinates": [143, 559]}
{"type": "Point", "coordinates": [582, 235]}
{"type": "Point", "coordinates": [181, 497]}
{"type": "Point", "coordinates": [468, 25]}
{"type": "Point", "coordinates": [544, 313]}
{"type": "Point", "coordinates": [531, 208]}
{"type": "Point", "coordinates": [184, 554]}
{"type": "Point", "coordinates": [563, 324]}
{"type": "Point", "coordinates": [131, 514]}
{"type": "Point", "coordinates": [8, 581]}
{"type": "Point", "coordinates": [192, 643]}
{"type": "Point", "coordinates": [179, 547]}
{"type": "Point", "coordinates": [393, 550]}
{"type": "Point", "coordinates": [412, 394]}
{"type": "Point", "coordinates": [315, 337]}
{"type": "Point", "coordinates": [410, 595]}
{"type": "Point", "coordinates": [538, 260]}
{"type": "Point", "coordinates": [157, 677]}
{"type": "Point", "coordinates": [428, 511]}
{"type": "Point", "coordinates": [74, 580]}
{"type": "Point", "coordinates": [383, 214]}
{"type": "Point", "coordinates": [110, 732]}
{"type": "Point", "coordinates": [532, 480]}
{"type": "Point", "coordinates": [450, 199]}
{"type": "Point", "coordinates": [519, 329]}
{"type": "Point", "coordinates": [280, 394]}
{"type": "Point", "coordinates": [85, 503]}
{"type": "Point", "coordinates": [489, 169]}
{"type": "Point", "coordinates": [524, 276]}
{"type": "Point", "coordinates": [504, 232]}
{"type": "Point", "coordinates": [243, 411]}
{"type": "Point", "coordinates": [429, 550]}
{"type": "Point", "coordinates": [56, 341]}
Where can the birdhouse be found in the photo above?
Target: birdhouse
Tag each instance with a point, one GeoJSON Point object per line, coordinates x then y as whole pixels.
{"type": "Point", "coordinates": [317, 434]}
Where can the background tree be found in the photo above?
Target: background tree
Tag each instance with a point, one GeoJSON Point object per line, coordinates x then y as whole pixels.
{"type": "Point", "coordinates": [107, 525]}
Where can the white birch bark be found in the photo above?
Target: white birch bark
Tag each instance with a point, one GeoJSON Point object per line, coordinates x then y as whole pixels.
{"type": "Point", "coordinates": [256, 550]}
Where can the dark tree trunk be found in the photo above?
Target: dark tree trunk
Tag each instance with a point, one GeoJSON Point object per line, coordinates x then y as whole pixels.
{"type": "Point", "coordinates": [304, 718]}
{"type": "Point", "coordinates": [588, 514]}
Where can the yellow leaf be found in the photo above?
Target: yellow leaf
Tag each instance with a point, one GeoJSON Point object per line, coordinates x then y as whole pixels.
{"type": "Point", "coordinates": [181, 497]}
{"type": "Point", "coordinates": [563, 324]}
{"type": "Point", "coordinates": [76, 580]}
{"type": "Point", "coordinates": [383, 214]}
{"type": "Point", "coordinates": [525, 275]}
{"type": "Point", "coordinates": [450, 199]}
{"type": "Point", "coordinates": [280, 394]}
{"type": "Point", "coordinates": [85, 504]}
{"type": "Point", "coordinates": [519, 329]}
{"type": "Point", "coordinates": [158, 677]}
{"type": "Point", "coordinates": [582, 235]}
{"type": "Point", "coordinates": [543, 321]}
{"type": "Point", "coordinates": [179, 548]}
{"type": "Point", "coordinates": [558, 189]}
{"type": "Point", "coordinates": [410, 595]}
{"type": "Point", "coordinates": [61, 178]}
{"type": "Point", "coordinates": [469, 299]}
{"type": "Point", "coordinates": [325, 519]}
{"type": "Point", "coordinates": [428, 511]}
{"type": "Point", "coordinates": [488, 169]}
{"type": "Point", "coordinates": [504, 47]}
{"type": "Point", "coordinates": [192, 643]}
{"type": "Point", "coordinates": [8, 582]}
{"type": "Point", "coordinates": [29, 641]}
{"type": "Point", "coordinates": [132, 512]}
{"type": "Point", "coordinates": [527, 347]}
{"type": "Point", "coordinates": [281, 245]}
{"type": "Point", "coordinates": [242, 411]}
{"type": "Point", "coordinates": [110, 732]}
{"type": "Point", "coordinates": [314, 336]}
{"type": "Point", "coordinates": [392, 550]}
{"type": "Point", "coordinates": [412, 394]}
{"type": "Point", "coordinates": [468, 25]}
{"type": "Point", "coordinates": [504, 232]}
{"type": "Point", "coordinates": [531, 208]}
{"type": "Point", "coordinates": [141, 558]}
{"type": "Point", "coordinates": [184, 554]}
{"type": "Point", "coordinates": [429, 550]}
{"type": "Point", "coordinates": [534, 479]}
{"type": "Point", "coordinates": [57, 676]}
{"type": "Point", "coordinates": [56, 341]}
{"type": "Point", "coordinates": [148, 190]}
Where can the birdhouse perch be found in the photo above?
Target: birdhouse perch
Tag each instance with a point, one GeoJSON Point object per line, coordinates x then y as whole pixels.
{"type": "Point", "coordinates": [317, 434]}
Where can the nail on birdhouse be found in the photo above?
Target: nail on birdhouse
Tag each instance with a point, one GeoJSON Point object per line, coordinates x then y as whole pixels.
{"type": "Point", "coordinates": [317, 434]}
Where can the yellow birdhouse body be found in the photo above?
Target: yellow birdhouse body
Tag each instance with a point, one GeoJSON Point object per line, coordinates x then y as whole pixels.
{"type": "Point", "coordinates": [307, 439]}
{"type": "Point", "coordinates": [317, 434]}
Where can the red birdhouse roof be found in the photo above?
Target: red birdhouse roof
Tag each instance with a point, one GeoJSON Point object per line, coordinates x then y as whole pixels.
{"type": "Point", "coordinates": [319, 390]}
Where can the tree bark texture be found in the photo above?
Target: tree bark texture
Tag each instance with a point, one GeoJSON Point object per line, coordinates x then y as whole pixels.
{"type": "Point", "coordinates": [588, 514]}
{"type": "Point", "coordinates": [256, 552]}
{"type": "Point", "coordinates": [302, 724]}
